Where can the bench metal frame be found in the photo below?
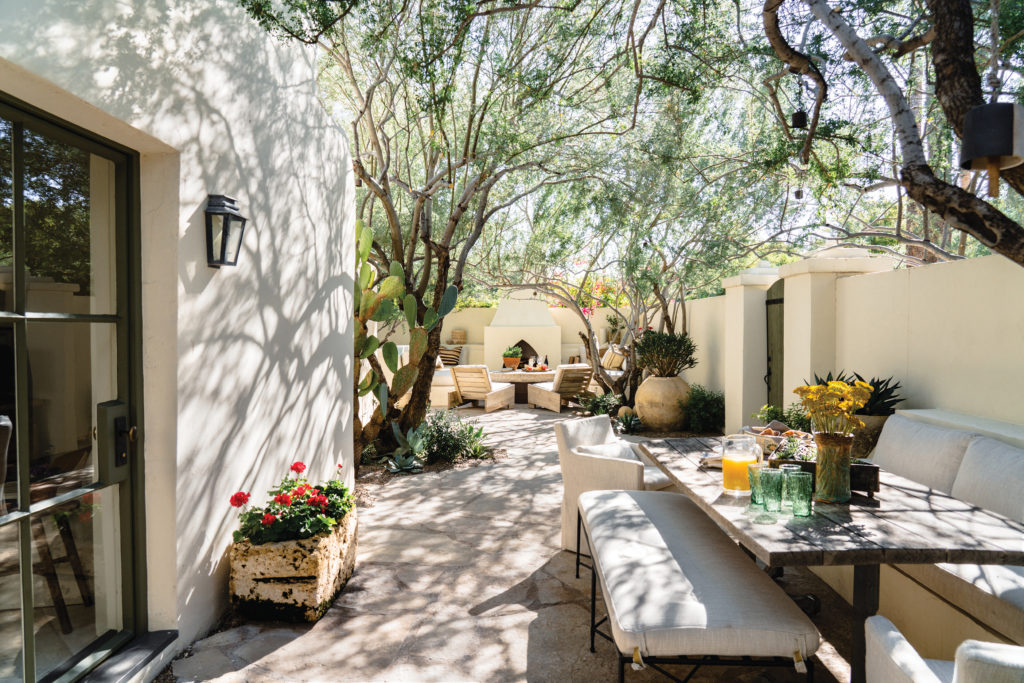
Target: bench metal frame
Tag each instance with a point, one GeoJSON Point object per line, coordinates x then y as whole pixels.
{"type": "Point", "coordinates": [695, 661]}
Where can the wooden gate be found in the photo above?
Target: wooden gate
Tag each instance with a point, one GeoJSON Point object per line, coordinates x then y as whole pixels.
{"type": "Point", "coordinates": [776, 335]}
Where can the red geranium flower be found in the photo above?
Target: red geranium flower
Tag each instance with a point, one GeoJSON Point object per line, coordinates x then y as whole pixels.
{"type": "Point", "coordinates": [269, 519]}
{"type": "Point", "coordinates": [313, 492]}
{"type": "Point", "coordinates": [239, 499]}
{"type": "Point", "coordinates": [318, 501]}
{"type": "Point", "coordinates": [298, 468]}
{"type": "Point", "coordinates": [283, 499]}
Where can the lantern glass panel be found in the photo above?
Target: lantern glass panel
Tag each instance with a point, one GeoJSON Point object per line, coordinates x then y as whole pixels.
{"type": "Point", "coordinates": [235, 226]}
{"type": "Point", "coordinates": [217, 237]}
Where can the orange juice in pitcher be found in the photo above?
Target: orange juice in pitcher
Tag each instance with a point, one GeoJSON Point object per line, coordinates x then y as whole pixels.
{"type": "Point", "coordinates": [738, 451]}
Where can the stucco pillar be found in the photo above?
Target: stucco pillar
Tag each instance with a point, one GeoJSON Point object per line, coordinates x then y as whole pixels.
{"type": "Point", "coordinates": [746, 340]}
{"type": "Point", "coordinates": [810, 311]}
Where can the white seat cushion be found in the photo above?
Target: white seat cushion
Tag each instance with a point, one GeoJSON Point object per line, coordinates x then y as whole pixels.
{"type": "Point", "coordinates": [921, 452]}
{"type": "Point", "coordinates": [546, 386]}
{"type": "Point", "coordinates": [495, 386]}
{"type": "Point", "coordinates": [892, 659]}
{"type": "Point", "coordinates": [675, 584]}
{"type": "Point", "coordinates": [655, 479]}
{"type": "Point", "coordinates": [992, 594]}
{"type": "Point", "coordinates": [442, 378]}
{"type": "Point", "coordinates": [992, 476]}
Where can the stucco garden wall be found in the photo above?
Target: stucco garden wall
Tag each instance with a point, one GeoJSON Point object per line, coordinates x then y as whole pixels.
{"type": "Point", "coordinates": [952, 333]}
{"type": "Point", "coordinates": [246, 369]}
{"type": "Point", "coordinates": [706, 325]}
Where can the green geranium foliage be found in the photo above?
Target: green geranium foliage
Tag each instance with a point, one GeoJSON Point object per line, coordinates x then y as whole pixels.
{"type": "Point", "coordinates": [296, 510]}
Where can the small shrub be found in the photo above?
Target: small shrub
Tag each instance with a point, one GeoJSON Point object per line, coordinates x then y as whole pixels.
{"type": "Point", "coordinates": [447, 438]}
{"type": "Point", "coordinates": [629, 423]}
{"type": "Point", "coordinates": [603, 404]}
{"type": "Point", "coordinates": [664, 354]}
{"type": "Point", "coordinates": [794, 417]}
{"type": "Point", "coordinates": [512, 352]}
{"type": "Point", "coordinates": [705, 411]}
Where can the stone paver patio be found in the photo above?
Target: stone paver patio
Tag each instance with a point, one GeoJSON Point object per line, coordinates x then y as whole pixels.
{"type": "Point", "coordinates": [460, 578]}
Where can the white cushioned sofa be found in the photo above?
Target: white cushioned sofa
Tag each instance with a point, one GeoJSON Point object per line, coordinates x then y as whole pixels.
{"type": "Point", "coordinates": [980, 462]}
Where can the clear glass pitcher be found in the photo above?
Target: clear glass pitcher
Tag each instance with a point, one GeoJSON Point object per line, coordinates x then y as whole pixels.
{"type": "Point", "coordinates": [738, 451]}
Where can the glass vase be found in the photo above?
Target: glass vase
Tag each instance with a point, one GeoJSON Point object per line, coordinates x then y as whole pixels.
{"type": "Point", "coordinates": [832, 478]}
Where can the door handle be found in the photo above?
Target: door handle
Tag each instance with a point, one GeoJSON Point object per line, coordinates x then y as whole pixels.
{"type": "Point", "coordinates": [115, 434]}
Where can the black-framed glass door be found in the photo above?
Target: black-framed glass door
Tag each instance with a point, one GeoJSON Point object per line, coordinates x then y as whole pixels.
{"type": "Point", "coordinates": [66, 435]}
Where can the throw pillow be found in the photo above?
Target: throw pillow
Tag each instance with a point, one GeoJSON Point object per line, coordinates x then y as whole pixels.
{"type": "Point", "coordinates": [450, 355]}
{"type": "Point", "coordinates": [615, 449]}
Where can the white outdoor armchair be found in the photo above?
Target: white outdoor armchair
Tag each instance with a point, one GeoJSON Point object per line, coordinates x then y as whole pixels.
{"type": "Point", "coordinates": [592, 458]}
{"type": "Point", "coordinates": [892, 659]}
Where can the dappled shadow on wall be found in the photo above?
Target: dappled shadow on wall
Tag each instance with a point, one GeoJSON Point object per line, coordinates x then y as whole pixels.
{"type": "Point", "coordinates": [263, 348]}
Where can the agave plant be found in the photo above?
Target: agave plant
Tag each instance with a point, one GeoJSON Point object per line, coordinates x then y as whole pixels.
{"type": "Point", "coordinates": [406, 457]}
{"type": "Point", "coordinates": [883, 395]}
{"type": "Point", "coordinates": [630, 423]}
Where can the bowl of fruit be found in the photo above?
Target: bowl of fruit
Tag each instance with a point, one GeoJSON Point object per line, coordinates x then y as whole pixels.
{"type": "Point", "coordinates": [774, 434]}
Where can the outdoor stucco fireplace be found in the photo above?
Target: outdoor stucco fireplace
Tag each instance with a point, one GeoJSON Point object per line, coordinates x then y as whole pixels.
{"type": "Point", "coordinates": [523, 320]}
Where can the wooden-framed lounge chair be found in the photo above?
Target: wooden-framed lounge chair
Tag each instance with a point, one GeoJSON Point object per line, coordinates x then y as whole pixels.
{"type": "Point", "coordinates": [473, 383]}
{"type": "Point", "coordinates": [570, 381]}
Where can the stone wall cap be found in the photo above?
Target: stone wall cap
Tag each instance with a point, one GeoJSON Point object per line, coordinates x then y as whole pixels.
{"type": "Point", "coordinates": [863, 264]}
{"type": "Point", "coordinates": [750, 279]}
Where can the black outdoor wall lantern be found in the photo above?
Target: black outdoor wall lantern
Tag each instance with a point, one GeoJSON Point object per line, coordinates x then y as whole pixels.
{"type": "Point", "coordinates": [799, 119]}
{"type": "Point", "coordinates": [993, 140]}
{"type": "Point", "coordinates": [224, 227]}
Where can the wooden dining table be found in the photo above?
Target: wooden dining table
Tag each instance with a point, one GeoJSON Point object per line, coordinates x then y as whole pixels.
{"type": "Point", "coordinates": [905, 523]}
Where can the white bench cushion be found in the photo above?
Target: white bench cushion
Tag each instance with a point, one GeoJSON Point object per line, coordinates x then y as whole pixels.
{"type": "Point", "coordinates": [892, 659]}
{"type": "Point", "coordinates": [675, 584]}
{"type": "Point", "coordinates": [992, 476]}
{"type": "Point", "coordinates": [546, 386]}
{"type": "Point", "coordinates": [442, 378]}
{"type": "Point", "coordinates": [497, 386]}
{"type": "Point", "coordinates": [922, 452]}
{"type": "Point", "coordinates": [992, 594]}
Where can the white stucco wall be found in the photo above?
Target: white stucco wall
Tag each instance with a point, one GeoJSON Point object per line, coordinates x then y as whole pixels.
{"type": "Point", "coordinates": [246, 369]}
{"type": "Point", "coordinates": [706, 323]}
{"type": "Point", "coordinates": [952, 333]}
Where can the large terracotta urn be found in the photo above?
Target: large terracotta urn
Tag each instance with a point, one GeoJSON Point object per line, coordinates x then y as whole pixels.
{"type": "Point", "coordinates": [661, 402]}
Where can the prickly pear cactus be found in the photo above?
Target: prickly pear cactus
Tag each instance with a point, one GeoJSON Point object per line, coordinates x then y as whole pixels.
{"type": "Point", "coordinates": [378, 299]}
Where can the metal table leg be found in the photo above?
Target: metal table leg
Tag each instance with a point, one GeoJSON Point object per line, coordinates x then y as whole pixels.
{"type": "Point", "coordinates": [865, 604]}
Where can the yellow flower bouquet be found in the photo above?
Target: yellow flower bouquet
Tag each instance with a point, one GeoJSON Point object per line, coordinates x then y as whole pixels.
{"type": "Point", "coordinates": [832, 406]}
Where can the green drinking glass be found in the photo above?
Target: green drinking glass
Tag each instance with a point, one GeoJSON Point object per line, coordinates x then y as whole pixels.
{"type": "Point", "coordinates": [788, 469]}
{"type": "Point", "coordinates": [771, 488]}
{"type": "Point", "coordinates": [800, 485]}
{"type": "Point", "coordinates": [754, 474]}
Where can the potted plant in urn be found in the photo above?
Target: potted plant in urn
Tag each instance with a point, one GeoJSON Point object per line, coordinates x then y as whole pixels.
{"type": "Point", "coordinates": [661, 400]}
{"type": "Point", "coordinates": [511, 357]}
{"type": "Point", "coordinates": [832, 408]}
{"type": "Point", "coordinates": [292, 556]}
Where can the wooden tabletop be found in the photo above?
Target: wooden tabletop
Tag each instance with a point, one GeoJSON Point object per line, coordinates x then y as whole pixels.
{"type": "Point", "coordinates": [906, 522]}
{"type": "Point", "coordinates": [522, 375]}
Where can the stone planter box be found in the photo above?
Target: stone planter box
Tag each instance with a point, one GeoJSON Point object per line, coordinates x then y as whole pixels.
{"type": "Point", "coordinates": [293, 580]}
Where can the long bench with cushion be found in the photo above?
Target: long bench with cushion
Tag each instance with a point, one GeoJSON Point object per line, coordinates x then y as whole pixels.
{"type": "Point", "coordinates": [981, 463]}
{"type": "Point", "coordinates": [677, 589]}
{"type": "Point", "coordinates": [592, 458]}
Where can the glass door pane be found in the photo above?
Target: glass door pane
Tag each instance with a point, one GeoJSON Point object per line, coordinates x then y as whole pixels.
{"type": "Point", "coordinates": [10, 606]}
{"type": "Point", "coordinates": [72, 367]}
{"type": "Point", "coordinates": [76, 589]}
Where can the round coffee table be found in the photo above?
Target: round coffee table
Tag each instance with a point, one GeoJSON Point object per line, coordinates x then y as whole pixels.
{"type": "Point", "coordinates": [521, 379]}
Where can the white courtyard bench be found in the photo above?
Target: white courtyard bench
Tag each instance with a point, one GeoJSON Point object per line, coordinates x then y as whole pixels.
{"type": "Point", "coordinates": [678, 590]}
